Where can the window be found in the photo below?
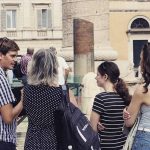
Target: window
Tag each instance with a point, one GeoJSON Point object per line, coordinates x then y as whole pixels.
{"type": "Point", "coordinates": [44, 18]}
{"type": "Point", "coordinates": [8, 19]}
{"type": "Point", "coordinates": [11, 19]}
{"type": "Point", "coordinates": [139, 23]}
{"type": "Point", "coordinates": [8, 15]}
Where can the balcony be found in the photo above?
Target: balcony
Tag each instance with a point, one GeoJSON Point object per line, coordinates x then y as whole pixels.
{"type": "Point", "coordinates": [33, 34]}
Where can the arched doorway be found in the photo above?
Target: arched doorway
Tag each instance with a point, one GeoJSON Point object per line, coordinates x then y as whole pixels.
{"type": "Point", "coordinates": [139, 34]}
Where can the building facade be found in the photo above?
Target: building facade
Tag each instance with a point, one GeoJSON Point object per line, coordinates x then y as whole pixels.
{"type": "Point", "coordinates": [129, 28]}
{"type": "Point", "coordinates": [32, 23]}
{"type": "Point", "coordinates": [38, 23]}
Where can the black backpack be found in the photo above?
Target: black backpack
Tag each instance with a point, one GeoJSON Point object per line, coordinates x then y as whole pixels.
{"type": "Point", "coordinates": [73, 129]}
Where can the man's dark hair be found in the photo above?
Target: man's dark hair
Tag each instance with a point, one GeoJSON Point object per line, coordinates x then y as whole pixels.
{"type": "Point", "coordinates": [7, 45]}
{"type": "Point", "coordinates": [30, 50]}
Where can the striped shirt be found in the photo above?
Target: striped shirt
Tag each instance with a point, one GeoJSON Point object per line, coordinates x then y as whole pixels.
{"type": "Point", "coordinates": [24, 63]}
{"type": "Point", "coordinates": [109, 105]}
{"type": "Point", "coordinates": [7, 131]}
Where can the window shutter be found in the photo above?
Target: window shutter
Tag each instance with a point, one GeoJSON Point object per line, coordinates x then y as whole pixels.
{"type": "Point", "coordinates": [3, 19]}
{"type": "Point", "coordinates": [14, 18]}
{"type": "Point", "coordinates": [39, 17]}
{"type": "Point", "coordinates": [49, 18]}
{"type": "Point", "coordinates": [44, 18]}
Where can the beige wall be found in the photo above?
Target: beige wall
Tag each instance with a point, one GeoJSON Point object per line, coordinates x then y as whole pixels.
{"type": "Point", "coordinates": [121, 15]}
{"type": "Point", "coordinates": [119, 22]}
{"type": "Point", "coordinates": [38, 44]}
{"type": "Point", "coordinates": [27, 33]}
{"type": "Point", "coordinates": [118, 36]}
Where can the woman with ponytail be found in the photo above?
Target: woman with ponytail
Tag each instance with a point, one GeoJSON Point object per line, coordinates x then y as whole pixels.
{"type": "Point", "coordinates": [140, 104]}
{"type": "Point", "coordinates": [107, 111]}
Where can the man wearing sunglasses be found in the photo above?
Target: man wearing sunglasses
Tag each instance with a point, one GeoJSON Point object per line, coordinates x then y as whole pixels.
{"type": "Point", "coordinates": [8, 113]}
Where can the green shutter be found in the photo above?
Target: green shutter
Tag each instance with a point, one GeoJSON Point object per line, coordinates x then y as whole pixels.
{"type": "Point", "coordinates": [3, 19]}
{"type": "Point", "coordinates": [39, 17]}
{"type": "Point", "coordinates": [49, 18]}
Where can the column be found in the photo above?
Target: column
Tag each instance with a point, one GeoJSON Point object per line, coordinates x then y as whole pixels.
{"type": "Point", "coordinates": [95, 11]}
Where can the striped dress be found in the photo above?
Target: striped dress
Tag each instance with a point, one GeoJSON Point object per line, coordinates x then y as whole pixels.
{"type": "Point", "coordinates": [109, 105]}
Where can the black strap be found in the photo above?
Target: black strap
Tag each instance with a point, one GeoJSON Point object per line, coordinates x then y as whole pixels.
{"type": "Point", "coordinates": [66, 99]}
{"type": "Point", "coordinates": [65, 93]}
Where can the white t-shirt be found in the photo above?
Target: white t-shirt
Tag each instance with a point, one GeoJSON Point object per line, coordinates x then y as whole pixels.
{"type": "Point", "coordinates": [10, 76]}
{"type": "Point", "coordinates": [62, 65]}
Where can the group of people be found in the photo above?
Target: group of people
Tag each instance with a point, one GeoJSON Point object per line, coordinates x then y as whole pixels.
{"type": "Point", "coordinates": [63, 68]}
{"type": "Point", "coordinates": [42, 94]}
{"type": "Point", "coordinates": [115, 107]}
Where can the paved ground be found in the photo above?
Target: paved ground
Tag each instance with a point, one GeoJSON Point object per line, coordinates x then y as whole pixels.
{"type": "Point", "coordinates": [21, 132]}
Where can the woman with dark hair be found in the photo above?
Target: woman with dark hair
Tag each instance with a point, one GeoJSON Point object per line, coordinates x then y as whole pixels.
{"type": "Point", "coordinates": [107, 111]}
{"type": "Point", "coordinates": [140, 103]}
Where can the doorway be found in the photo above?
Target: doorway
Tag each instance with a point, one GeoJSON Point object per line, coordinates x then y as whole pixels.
{"type": "Point", "coordinates": [137, 47]}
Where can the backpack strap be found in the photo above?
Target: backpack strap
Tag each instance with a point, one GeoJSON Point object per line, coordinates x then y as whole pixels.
{"type": "Point", "coordinates": [64, 89]}
{"type": "Point", "coordinates": [66, 99]}
{"type": "Point", "coordinates": [65, 93]}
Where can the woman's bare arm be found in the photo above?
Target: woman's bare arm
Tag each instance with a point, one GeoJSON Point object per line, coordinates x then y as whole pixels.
{"type": "Point", "coordinates": [72, 98]}
{"type": "Point", "coordinates": [94, 119]}
{"type": "Point", "coordinates": [134, 106]}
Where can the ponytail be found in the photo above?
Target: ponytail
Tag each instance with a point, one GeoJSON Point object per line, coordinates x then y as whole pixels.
{"type": "Point", "coordinates": [123, 91]}
{"type": "Point", "coordinates": [113, 73]}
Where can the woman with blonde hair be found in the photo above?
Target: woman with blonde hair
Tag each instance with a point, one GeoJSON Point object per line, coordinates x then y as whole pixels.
{"type": "Point", "coordinates": [42, 95]}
